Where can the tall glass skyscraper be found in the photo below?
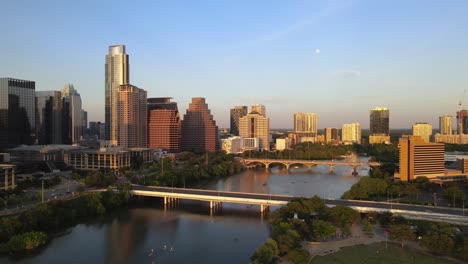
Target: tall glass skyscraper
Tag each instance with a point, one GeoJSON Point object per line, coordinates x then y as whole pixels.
{"type": "Point", "coordinates": [117, 73]}
{"type": "Point", "coordinates": [73, 115]}
{"type": "Point", "coordinates": [49, 116]}
{"type": "Point", "coordinates": [17, 112]}
{"type": "Point", "coordinates": [379, 121]}
{"type": "Point", "coordinates": [236, 113]}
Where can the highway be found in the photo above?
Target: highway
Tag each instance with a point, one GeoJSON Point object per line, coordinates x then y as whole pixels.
{"type": "Point", "coordinates": [369, 205]}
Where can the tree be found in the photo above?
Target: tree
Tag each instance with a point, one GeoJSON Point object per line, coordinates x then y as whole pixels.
{"type": "Point", "coordinates": [26, 241]}
{"type": "Point", "coordinates": [323, 230]}
{"type": "Point", "coordinates": [401, 233]}
{"type": "Point", "coordinates": [266, 253]}
{"type": "Point", "coordinates": [298, 256]}
{"type": "Point", "coordinates": [286, 237]}
{"type": "Point", "coordinates": [343, 215]}
{"type": "Point", "coordinates": [454, 193]}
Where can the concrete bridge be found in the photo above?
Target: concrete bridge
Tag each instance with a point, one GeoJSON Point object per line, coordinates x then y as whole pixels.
{"type": "Point", "coordinates": [311, 163]}
{"type": "Point", "coordinates": [217, 198]}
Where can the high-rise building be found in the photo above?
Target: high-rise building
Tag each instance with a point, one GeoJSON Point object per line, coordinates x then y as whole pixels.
{"type": "Point", "coordinates": [423, 130]}
{"type": "Point", "coordinates": [331, 134]}
{"type": "Point", "coordinates": [255, 125]}
{"type": "Point", "coordinates": [420, 158]}
{"type": "Point", "coordinates": [49, 116]}
{"type": "Point", "coordinates": [199, 130]}
{"type": "Point", "coordinates": [164, 125]}
{"type": "Point", "coordinates": [351, 133]}
{"type": "Point", "coordinates": [462, 122]}
{"type": "Point", "coordinates": [97, 129]}
{"type": "Point", "coordinates": [84, 114]}
{"type": "Point", "coordinates": [379, 121]}
{"type": "Point", "coordinates": [232, 144]}
{"type": "Point", "coordinates": [305, 124]}
{"type": "Point", "coordinates": [445, 125]}
{"type": "Point", "coordinates": [17, 112]}
{"type": "Point", "coordinates": [72, 121]}
{"type": "Point", "coordinates": [236, 113]}
{"type": "Point", "coordinates": [259, 108]}
{"type": "Point", "coordinates": [117, 73]}
{"type": "Point", "coordinates": [133, 117]}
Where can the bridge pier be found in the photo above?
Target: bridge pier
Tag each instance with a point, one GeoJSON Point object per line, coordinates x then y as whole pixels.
{"type": "Point", "coordinates": [264, 208]}
{"type": "Point", "coordinates": [267, 166]}
{"type": "Point", "coordinates": [287, 167]}
{"type": "Point", "coordinates": [355, 173]}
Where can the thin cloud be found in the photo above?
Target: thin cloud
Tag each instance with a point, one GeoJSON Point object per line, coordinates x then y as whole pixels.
{"type": "Point", "coordinates": [347, 74]}
{"type": "Point", "coordinates": [330, 10]}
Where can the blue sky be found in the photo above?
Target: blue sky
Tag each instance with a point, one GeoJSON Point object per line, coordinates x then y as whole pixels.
{"type": "Point", "coordinates": [410, 56]}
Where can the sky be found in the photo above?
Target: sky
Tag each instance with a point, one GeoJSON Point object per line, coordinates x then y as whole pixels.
{"type": "Point", "coordinates": [338, 59]}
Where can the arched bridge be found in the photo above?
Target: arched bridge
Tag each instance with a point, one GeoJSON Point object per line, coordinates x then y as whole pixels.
{"type": "Point", "coordinates": [311, 163]}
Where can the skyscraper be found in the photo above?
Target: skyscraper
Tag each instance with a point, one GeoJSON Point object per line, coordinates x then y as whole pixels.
{"type": "Point", "coordinates": [199, 130]}
{"type": "Point", "coordinates": [49, 117]}
{"type": "Point", "coordinates": [164, 125]}
{"type": "Point", "coordinates": [259, 108]}
{"type": "Point", "coordinates": [462, 122]}
{"type": "Point", "coordinates": [254, 125]}
{"type": "Point", "coordinates": [445, 125]}
{"type": "Point", "coordinates": [423, 130]}
{"type": "Point", "coordinates": [72, 121]}
{"type": "Point", "coordinates": [379, 125]}
{"type": "Point", "coordinates": [305, 124]}
{"type": "Point", "coordinates": [17, 112]}
{"type": "Point", "coordinates": [331, 134]}
{"type": "Point", "coordinates": [236, 113]}
{"type": "Point", "coordinates": [351, 133]}
{"type": "Point", "coordinates": [117, 73]}
{"type": "Point", "coordinates": [132, 117]}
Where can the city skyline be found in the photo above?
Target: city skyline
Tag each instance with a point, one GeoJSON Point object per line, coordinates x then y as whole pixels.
{"type": "Point", "coordinates": [396, 59]}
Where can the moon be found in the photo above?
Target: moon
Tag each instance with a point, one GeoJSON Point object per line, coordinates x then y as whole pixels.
{"type": "Point", "coordinates": [317, 51]}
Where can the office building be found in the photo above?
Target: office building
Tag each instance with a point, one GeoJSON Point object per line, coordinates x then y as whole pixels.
{"type": "Point", "coordinates": [283, 143]}
{"type": "Point", "coordinates": [232, 145]}
{"type": "Point", "coordinates": [331, 135]}
{"type": "Point", "coordinates": [49, 114]}
{"type": "Point", "coordinates": [111, 159]}
{"type": "Point", "coordinates": [236, 113]}
{"type": "Point", "coordinates": [259, 108]}
{"type": "Point", "coordinates": [133, 117]}
{"type": "Point", "coordinates": [379, 125]}
{"type": "Point", "coordinates": [255, 125]}
{"type": "Point", "coordinates": [164, 124]}
{"type": "Point", "coordinates": [116, 74]}
{"type": "Point", "coordinates": [423, 130]}
{"type": "Point", "coordinates": [420, 158]}
{"type": "Point", "coordinates": [97, 130]}
{"type": "Point", "coordinates": [445, 125]}
{"type": "Point", "coordinates": [305, 124]}
{"type": "Point", "coordinates": [351, 133]}
{"type": "Point", "coordinates": [379, 120]}
{"type": "Point", "coordinates": [72, 121]}
{"type": "Point", "coordinates": [199, 130]}
{"type": "Point", "coordinates": [17, 112]}
{"type": "Point", "coordinates": [250, 144]}
{"type": "Point", "coordinates": [451, 139]}
{"type": "Point", "coordinates": [462, 122]}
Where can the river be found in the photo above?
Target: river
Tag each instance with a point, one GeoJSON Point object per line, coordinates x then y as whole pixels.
{"type": "Point", "coordinates": [188, 233]}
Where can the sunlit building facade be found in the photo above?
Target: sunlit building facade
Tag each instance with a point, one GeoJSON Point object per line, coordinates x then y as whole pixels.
{"type": "Point", "coordinates": [72, 121]}
{"type": "Point", "coordinates": [116, 74]}
{"type": "Point", "coordinates": [199, 130]}
{"type": "Point", "coordinates": [164, 124]}
{"type": "Point", "coordinates": [236, 113]}
{"type": "Point", "coordinates": [254, 125]}
{"type": "Point", "coordinates": [351, 133]}
{"type": "Point", "coordinates": [446, 125]}
{"type": "Point", "coordinates": [305, 124]}
{"type": "Point", "coordinates": [132, 117]}
{"type": "Point", "coordinates": [423, 130]}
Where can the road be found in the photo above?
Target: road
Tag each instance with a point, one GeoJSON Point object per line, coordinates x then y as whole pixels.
{"type": "Point", "coordinates": [332, 202]}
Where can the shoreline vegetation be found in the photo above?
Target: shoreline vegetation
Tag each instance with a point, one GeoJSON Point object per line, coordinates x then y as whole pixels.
{"type": "Point", "coordinates": [26, 232]}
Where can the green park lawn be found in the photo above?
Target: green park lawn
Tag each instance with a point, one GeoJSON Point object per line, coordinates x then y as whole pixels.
{"type": "Point", "coordinates": [376, 253]}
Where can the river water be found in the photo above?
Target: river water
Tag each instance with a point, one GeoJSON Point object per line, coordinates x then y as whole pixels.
{"type": "Point", "coordinates": [188, 233]}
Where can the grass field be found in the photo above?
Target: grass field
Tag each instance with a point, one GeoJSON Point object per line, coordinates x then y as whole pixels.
{"type": "Point", "coordinates": [376, 253]}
